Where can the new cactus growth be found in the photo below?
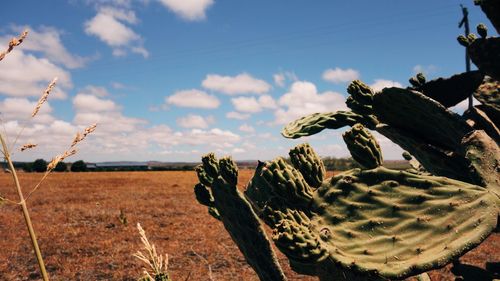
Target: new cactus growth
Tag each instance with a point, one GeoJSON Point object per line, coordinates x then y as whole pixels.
{"type": "Point", "coordinates": [376, 223]}
{"type": "Point", "coordinates": [218, 188]}
{"type": "Point", "coordinates": [363, 146]}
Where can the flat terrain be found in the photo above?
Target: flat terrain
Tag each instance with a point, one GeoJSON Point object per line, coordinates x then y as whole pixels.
{"type": "Point", "coordinates": [76, 219]}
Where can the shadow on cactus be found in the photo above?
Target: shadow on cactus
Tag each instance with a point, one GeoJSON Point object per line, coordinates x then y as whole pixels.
{"type": "Point", "coordinates": [375, 223]}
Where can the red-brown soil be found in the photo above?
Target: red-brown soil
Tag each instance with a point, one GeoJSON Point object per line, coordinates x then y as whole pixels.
{"type": "Point", "coordinates": [75, 216]}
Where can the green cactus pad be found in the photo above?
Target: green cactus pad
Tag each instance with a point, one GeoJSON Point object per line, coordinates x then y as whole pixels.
{"type": "Point", "coordinates": [386, 224]}
{"type": "Point", "coordinates": [450, 91]}
{"type": "Point", "coordinates": [421, 116]}
{"type": "Point", "coordinates": [238, 217]}
{"type": "Point", "coordinates": [317, 122]}
{"type": "Point", "coordinates": [363, 146]}
{"type": "Point", "coordinates": [479, 120]}
{"type": "Point", "coordinates": [485, 53]}
{"type": "Point", "coordinates": [308, 163]}
{"type": "Point", "coordinates": [488, 94]}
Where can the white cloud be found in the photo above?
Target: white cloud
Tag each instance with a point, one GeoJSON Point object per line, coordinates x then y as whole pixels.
{"type": "Point", "coordinates": [233, 85]}
{"type": "Point", "coordinates": [24, 75]}
{"type": "Point", "coordinates": [188, 9]}
{"type": "Point", "coordinates": [303, 99]}
{"type": "Point", "coordinates": [20, 109]}
{"type": "Point", "coordinates": [110, 26]}
{"type": "Point", "coordinates": [380, 84]}
{"type": "Point", "coordinates": [253, 105]}
{"type": "Point", "coordinates": [47, 40]}
{"type": "Point", "coordinates": [90, 103]}
{"type": "Point", "coordinates": [193, 98]}
{"type": "Point", "coordinates": [237, 115]}
{"type": "Point", "coordinates": [195, 121]}
{"type": "Point", "coordinates": [339, 75]}
{"type": "Point", "coordinates": [281, 77]}
{"type": "Point", "coordinates": [425, 69]}
{"type": "Point", "coordinates": [247, 128]}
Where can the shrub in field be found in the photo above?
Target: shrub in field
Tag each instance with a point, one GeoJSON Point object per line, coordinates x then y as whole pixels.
{"type": "Point", "coordinates": [39, 166]}
{"type": "Point", "coordinates": [78, 166]}
{"type": "Point", "coordinates": [61, 167]}
{"type": "Point", "coordinates": [374, 223]}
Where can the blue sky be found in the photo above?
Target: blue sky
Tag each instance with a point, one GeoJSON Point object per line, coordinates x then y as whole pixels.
{"type": "Point", "coordinates": [170, 80]}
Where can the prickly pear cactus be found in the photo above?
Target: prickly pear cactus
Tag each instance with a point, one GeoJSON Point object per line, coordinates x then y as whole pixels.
{"type": "Point", "coordinates": [376, 223]}
{"type": "Point", "coordinates": [218, 191]}
{"type": "Point", "coordinates": [371, 224]}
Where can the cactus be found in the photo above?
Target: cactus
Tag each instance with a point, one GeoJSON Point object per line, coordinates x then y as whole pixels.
{"type": "Point", "coordinates": [448, 91]}
{"type": "Point", "coordinates": [491, 8]}
{"type": "Point", "coordinates": [376, 223]}
{"type": "Point", "coordinates": [373, 224]}
{"type": "Point", "coordinates": [217, 190]}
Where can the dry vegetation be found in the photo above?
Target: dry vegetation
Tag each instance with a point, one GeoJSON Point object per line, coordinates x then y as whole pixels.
{"type": "Point", "coordinates": [76, 217]}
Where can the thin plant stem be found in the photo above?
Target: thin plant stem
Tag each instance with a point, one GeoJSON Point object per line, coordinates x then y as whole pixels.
{"type": "Point", "coordinates": [27, 218]}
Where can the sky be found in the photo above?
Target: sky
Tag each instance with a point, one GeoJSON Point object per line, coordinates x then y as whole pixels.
{"type": "Point", "coordinates": [171, 80]}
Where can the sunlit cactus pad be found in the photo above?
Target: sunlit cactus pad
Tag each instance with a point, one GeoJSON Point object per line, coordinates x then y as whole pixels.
{"type": "Point", "coordinates": [396, 224]}
{"type": "Point", "coordinates": [377, 223]}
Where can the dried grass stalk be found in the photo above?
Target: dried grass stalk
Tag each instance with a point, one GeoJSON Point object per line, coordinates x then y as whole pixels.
{"type": "Point", "coordinates": [13, 43]}
{"type": "Point", "coordinates": [80, 136]}
{"type": "Point", "coordinates": [28, 146]}
{"type": "Point", "coordinates": [156, 263]}
{"type": "Point", "coordinates": [44, 97]}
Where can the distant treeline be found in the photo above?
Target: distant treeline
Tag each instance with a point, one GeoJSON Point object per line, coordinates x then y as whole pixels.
{"type": "Point", "coordinates": [40, 165]}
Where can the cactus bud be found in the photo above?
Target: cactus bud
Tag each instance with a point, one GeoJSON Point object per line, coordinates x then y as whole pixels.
{"type": "Point", "coordinates": [229, 170]}
{"type": "Point", "coordinates": [482, 30]}
{"type": "Point", "coordinates": [308, 163]}
{"type": "Point", "coordinates": [472, 37]}
{"type": "Point", "coordinates": [203, 177]}
{"type": "Point", "coordinates": [210, 165]}
{"type": "Point", "coordinates": [287, 183]}
{"type": "Point", "coordinates": [363, 146]}
{"type": "Point", "coordinates": [462, 40]}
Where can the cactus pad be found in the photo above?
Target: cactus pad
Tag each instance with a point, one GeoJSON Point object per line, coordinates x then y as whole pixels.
{"type": "Point", "coordinates": [491, 8]}
{"type": "Point", "coordinates": [488, 94]}
{"type": "Point", "coordinates": [237, 215]}
{"type": "Point", "coordinates": [317, 122]}
{"type": "Point", "coordinates": [485, 53]}
{"type": "Point", "coordinates": [450, 91]}
{"type": "Point", "coordinates": [378, 223]}
{"type": "Point", "coordinates": [421, 116]}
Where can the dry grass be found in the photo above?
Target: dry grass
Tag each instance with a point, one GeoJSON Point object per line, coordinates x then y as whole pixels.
{"type": "Point", "coordinates": [76, 216]}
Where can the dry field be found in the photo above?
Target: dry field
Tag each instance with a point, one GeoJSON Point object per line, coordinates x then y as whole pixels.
{"type": "Point", "coordinates": [76, 218]}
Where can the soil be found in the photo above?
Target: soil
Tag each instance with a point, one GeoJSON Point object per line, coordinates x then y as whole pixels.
{"type": "Point", "coordinates": [77, 220]}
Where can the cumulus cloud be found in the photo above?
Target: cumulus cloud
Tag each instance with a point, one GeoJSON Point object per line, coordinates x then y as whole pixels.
{"type": "Point", "coordinates": [91, 103]}
{"type": "Point", "coordinates": [47, 41]}
{"type": "Point", "coordinates": [380, 84]}
{"type": "Point", "coordinates": [193, 98]}
{"type": "Point", "coordinates": [25, 75]}
{"type": "Point", "coordinates": [237, 115]}
{"type": "Point", "coordinates": [281, 77]}
{"type": "Point", "coordinates": [303, 98]}
{"type": "Point", "coordinates": [247, 128]}
{"type": "Point", "coordinates": [191, 10]}
{"type": "Point", "coordinates": [242, 83]}
{"type": "Point", "coordinates": [252, 104]}
{"type": "Point", "coordinates": [20, 109]}
{"type": "Point", "coordinates": [195, 121]}
{"type": "Point", "coordinates": [339, 75]}
{"type": "Point", "coordinates": [425, 69]}
{"type": "Point", "coordinates": [112, 26]}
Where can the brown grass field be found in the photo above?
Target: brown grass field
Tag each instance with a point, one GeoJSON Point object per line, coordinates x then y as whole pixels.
{"type": "Point", "coordinates": [75, 216]}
